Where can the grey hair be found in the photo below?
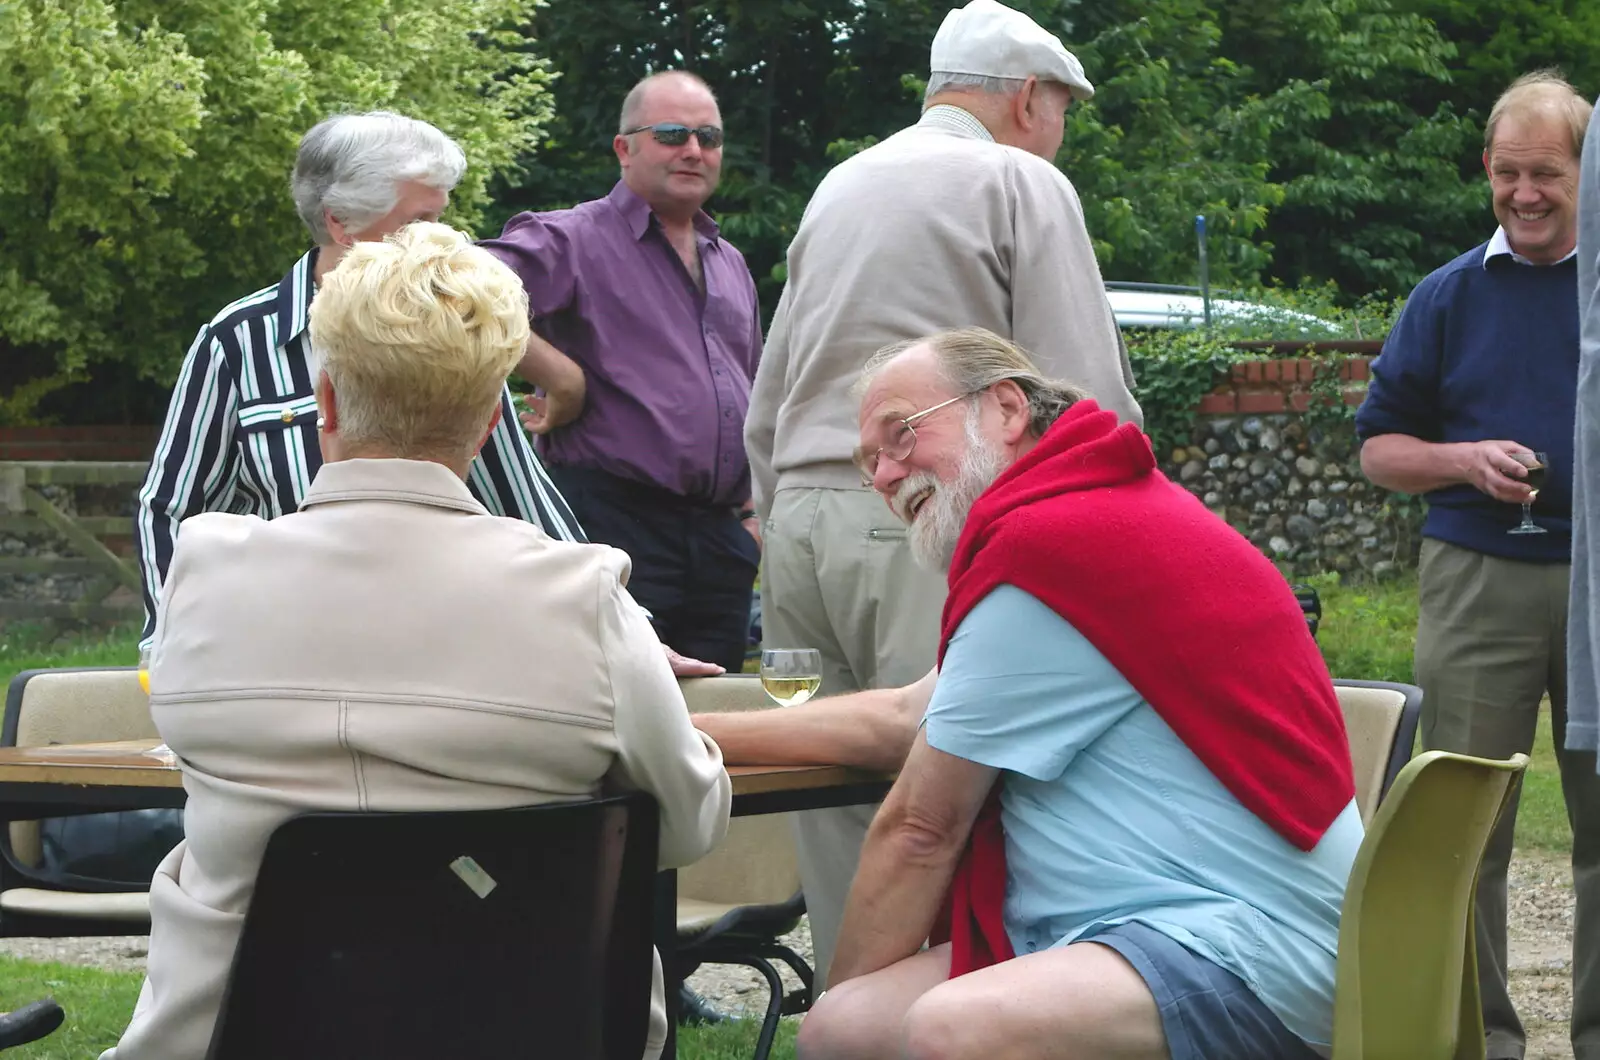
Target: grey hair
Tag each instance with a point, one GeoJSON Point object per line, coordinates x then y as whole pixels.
{"type": "Point", "coordinates": [350, 166]}
{"type": "Point", "coordinates": [940, 81]}
{"type": "Point", "coordinates": [974, 359]}
{"type": "Point", "coordinates": [635, 97]}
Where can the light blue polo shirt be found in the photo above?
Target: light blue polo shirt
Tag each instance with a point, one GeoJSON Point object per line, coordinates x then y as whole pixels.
{"type": "Point", "coordinates": [1110, 818]}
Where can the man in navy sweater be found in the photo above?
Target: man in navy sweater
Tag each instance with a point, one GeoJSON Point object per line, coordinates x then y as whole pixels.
{"type": "Point", "coordinates": [1479, 375]}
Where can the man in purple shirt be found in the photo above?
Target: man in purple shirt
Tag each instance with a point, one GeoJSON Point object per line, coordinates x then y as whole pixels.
{"type": "Point", "coordinates": [646, 339]}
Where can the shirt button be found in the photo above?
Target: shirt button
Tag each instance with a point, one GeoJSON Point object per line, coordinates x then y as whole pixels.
{"type": "Point", "coordinates": [288, 416]}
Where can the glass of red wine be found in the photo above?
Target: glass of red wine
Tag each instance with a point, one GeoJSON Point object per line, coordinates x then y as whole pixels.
{"type": "Point", "coordinates": [1535, 482]}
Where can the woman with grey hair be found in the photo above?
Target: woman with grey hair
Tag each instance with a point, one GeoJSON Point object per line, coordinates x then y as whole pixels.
{"type": "Point", "coordinates": [358, 172]}
{"type": "Point", "coordinates": [240, 434]}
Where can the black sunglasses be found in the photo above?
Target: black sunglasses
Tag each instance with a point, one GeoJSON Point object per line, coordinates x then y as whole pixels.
{"type": "Point", "coordinates": [671, 134]}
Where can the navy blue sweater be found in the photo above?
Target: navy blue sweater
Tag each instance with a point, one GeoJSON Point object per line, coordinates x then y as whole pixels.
{"type": "Point", "coordinates": [1478, 353]}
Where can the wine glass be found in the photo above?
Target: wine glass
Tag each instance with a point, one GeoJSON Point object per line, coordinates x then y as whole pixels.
{"type": "Point", "coordinates": [1535, 482]}
{"type": "Point", "coordinates": [790, 676]}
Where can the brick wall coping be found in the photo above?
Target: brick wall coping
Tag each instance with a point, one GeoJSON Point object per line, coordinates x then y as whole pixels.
{"type": "Point", "coordinates": [1279, 384]}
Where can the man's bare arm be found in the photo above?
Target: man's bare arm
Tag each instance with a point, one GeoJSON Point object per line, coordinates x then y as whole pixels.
{"type": "Point", "coordinates": [909, 858]}
{"type": "Point", "coordinates": [1411, 465]}
{"type": "Point", "coordinates": [869, 730]}
{"type": "Point", "coordinates": [561, 379]}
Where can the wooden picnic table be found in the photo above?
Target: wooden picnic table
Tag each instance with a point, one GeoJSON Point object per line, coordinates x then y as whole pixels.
{"type": "Point", "coordinates": [57, 779]}
{"type": "Point", "coordinates": [125, 775]}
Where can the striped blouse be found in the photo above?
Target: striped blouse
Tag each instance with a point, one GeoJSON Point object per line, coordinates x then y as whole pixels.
{"type": "Point", "coordinates": [240, 434]}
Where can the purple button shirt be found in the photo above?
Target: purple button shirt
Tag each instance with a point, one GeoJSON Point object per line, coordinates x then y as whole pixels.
{"type": "Point", "coordinates": [668, 369]}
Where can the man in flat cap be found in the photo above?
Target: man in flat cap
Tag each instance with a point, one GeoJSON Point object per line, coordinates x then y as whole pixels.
{"type": "Point", "coordinates": [960, 220]}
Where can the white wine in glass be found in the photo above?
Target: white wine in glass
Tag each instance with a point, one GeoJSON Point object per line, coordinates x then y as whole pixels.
{"type": "Point", "coordinates": [790, 676]}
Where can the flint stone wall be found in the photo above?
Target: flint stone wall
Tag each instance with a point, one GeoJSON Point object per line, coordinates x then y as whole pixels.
{"type": "Point", "coordinates": [1291, 482]}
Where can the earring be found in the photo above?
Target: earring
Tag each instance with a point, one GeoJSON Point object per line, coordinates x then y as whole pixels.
{"type": "Point", "coordinates": [322, 423]}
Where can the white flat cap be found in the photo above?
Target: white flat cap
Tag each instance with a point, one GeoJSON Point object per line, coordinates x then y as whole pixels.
{"type": "Point", "coordinates": [989, 39]}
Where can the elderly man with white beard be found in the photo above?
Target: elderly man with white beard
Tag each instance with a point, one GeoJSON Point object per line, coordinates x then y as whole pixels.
{"type": "Point", "coordinates": [1114, 837]}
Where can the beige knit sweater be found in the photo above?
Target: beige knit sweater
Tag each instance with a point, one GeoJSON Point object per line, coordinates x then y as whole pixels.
{"type": "Point", "coordinates": [936, 227]}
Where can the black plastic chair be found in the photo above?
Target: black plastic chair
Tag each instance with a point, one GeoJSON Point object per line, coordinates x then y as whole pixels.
{"type": "Point", "coordinates": [497, 933]}
{"type": "Point", "coordinates": [32, 1021]}
{"type": "Point", "coordinates": [749, 936]}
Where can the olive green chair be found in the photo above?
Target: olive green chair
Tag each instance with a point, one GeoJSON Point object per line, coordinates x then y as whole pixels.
{"type": "Point", "coordinates": [1407, 986]}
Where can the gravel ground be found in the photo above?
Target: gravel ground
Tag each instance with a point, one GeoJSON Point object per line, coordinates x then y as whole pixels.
{"type": "Point", "coordinates": [1541, 957]}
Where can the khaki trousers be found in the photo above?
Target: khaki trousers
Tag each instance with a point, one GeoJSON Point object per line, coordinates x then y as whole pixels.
{"type": "Point", "coordinates": [838, 576]}
{"type": "Point", "coordinates": [1491, 642]}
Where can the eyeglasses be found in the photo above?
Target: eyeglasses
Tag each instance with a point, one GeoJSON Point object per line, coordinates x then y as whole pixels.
{"type": "Point", "coordinates": [902, 439]}
{"type": "Point", "coordinates": [672, 134]}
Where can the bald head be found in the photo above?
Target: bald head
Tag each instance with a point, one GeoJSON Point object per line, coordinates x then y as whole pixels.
{"type": "Point", "coordinates": [669, 145]}
{"type": "Point", "coordinates": [634, 102]}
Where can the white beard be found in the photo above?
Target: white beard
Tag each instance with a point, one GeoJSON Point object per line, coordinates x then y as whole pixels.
{"type": "Point", "coordinates": [939, 522]}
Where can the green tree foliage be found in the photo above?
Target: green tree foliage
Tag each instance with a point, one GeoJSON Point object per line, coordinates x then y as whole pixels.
{"type": "Point", "coordinates": [791, 78]}
{"type": "Point", "coordinates": [144, 144]}
{"type": "Point", "coordinates": [1497, 41]}
{"type": "Point", "coordinates": [1285, 123]}
{"type": "Point", "coordinates": [1374, 192]}
{"type": "Point", "coordinates": [1172, 133]}
{"type": "Point", "coordinates": [145, 147]}
{"type": "Point", "coordinates": [806, 83]}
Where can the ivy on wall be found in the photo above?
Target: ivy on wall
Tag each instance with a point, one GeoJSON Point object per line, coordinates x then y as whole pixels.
{"type": "Point", "coordinates": [1172, 371]}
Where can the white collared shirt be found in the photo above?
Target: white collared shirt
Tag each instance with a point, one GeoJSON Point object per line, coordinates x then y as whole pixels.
{"type": "Point", "coordinates": [1499, 244]}
{"type": "Point", "coordinates": [955, 119]}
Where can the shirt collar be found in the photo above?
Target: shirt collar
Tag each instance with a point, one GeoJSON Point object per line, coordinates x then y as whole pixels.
{"type": "Point", "coordinates": [409, 481]}
{"type": "Point", "coordinates": [951, 118]}
{"type": "Point", "coordinates": [637, 213]}
{"type": "Point", "coordinates": [1500, 245]}
{"type": "Point", "coordinates": [294, 297]}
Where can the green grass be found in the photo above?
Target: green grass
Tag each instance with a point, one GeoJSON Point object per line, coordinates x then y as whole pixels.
{"type": "Point", "coordinates": [1542, 815]}
{"type": "Point", "coordinates": [97, 1005]}
{"type": "Point", "coordinates": [734, 1041]}
{"type": "Point", "coordinates": [25, 646]}
{"type": "Point", "coordinates": [1368, 631]}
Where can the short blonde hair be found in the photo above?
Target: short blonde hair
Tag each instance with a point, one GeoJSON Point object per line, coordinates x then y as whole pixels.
{"type": "Point", "coordinates": [1541, 92]}
{"type": "Point", "coordinates": [417, 334]}
{"type": "Point", "coordinates": [973, 360]}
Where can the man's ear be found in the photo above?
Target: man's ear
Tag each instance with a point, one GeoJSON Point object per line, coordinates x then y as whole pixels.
{"type": "Point", "coordinates": [1028, 103]}
{"type": "Point", "coordinates": [1016, 417]}
{"type": "Point", "coordinates": [619, 144]}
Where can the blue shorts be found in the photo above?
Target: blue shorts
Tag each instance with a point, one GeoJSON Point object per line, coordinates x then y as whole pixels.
{"type": "Point", "coordinates": [1207, 1012]}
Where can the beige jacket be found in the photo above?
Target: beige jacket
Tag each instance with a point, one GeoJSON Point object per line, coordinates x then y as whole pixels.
{"type": "Point", "coordinates": [936, 227]}
{"type": "Point", "coordinates": [391, 646]}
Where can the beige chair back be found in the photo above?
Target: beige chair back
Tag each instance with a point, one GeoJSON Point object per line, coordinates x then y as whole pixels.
{"type": "Point", "coordinates": [755, 864]}
{"type": "Point", "coordinates": [74, 706]}
{"type": "Point", "coordinates": [1372, 720]}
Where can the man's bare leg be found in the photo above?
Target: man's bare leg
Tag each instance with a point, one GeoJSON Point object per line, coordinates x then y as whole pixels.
{"type": "Point", "coordinates": [862, 1018]}
{"type": "Point", "coordinates": [1078, 1002]}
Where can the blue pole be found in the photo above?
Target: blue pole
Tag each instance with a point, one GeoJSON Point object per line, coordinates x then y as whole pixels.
{"type": "Point", "coordinates": [1205, 267]}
